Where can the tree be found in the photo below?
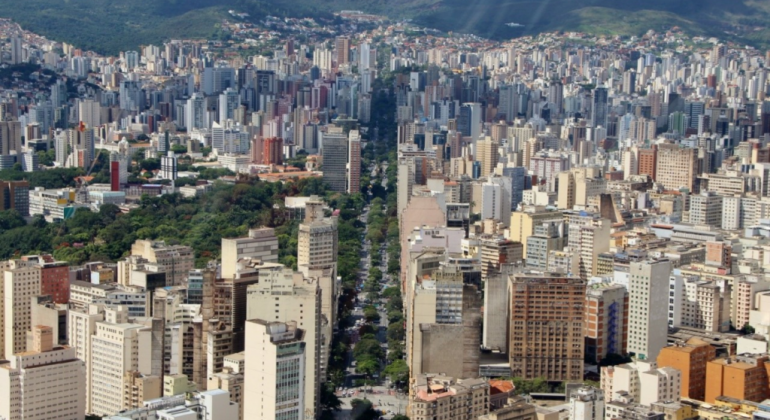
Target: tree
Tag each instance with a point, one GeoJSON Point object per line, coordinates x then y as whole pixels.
{"type": "Point", "coordinates": [395, 332]}
{"type": "Point", "coordinates": [368, 367]}
{"type": "Point", "coordinates": [400, 417]}
{"type": "Point", "coordinates": [747, 329]}
{"type": "Point", "coordinates": [397, 371]}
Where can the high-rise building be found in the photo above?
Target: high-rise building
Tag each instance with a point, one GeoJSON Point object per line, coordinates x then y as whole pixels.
{"type": "Point", "coordinates": [334, 152]}
{"type": "Point", "coordinates": [599, 110]}
{"type": "Point", "coordinates": [81, 326]}
{"type": "Point", "coordinates": [285, 296]}
{"type": "Point", "coordinates": [43, 383]}
{"type": "Point", "coordinates": [676, 167]}
{"type": "Point", "coordinates": [15, 196]}
{"type": "Point", "coordinates": [21, 282]}
{"type": "Point", "coordinates": [317, 239]}
{"type": "Point", "coordinates": [168, 167]}
{"type": "Point", "coordinates": [589, 236]}
{"type": "Point", "coordinates": [260, 244]}
{"type": "Point", "coordinates": [174, 260]}
{"type": "Point", "coordinates": [606, 320]}
{"type": "Point", "coordinates": [691, 359]}
{"type": "Point", "coordinates": [546, 326]}
{"type": "Point", "coordinates": [342, 48]}
{"type": "Point", "coordinates": [697, 303]}
{"type": "Point", "coordinates": [487, 155]}
{"type": "Point", "coordinates": [90, 112]}
{"type": "Point", "coordinates": [442, 310]}
{"type": "Point", "coordinates": [272, 153]}
{"type": "Point", "coordinates": [354, 162]}
{"type": "Point", "coordinates": [524, 222]}
{"type": "Point", "coordinates": [274, 386]}
{"type": "Point", "coordinates": [10, 137]}
{"type": "Point", "coordinates": [647, 323]}
{"type": "Point", "coordinates": [118, 348]}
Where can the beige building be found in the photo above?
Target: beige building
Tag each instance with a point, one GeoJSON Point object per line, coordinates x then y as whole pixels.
{"type": "Point", "coordinates": [444, 325]}
{"type": "Point", "coordinates": [275, 372]}
{"type": "Point", "coordinates": [744, 292]}
{"type": "Point", "coordinates": [116, 349]}
{"type": "Point", "coordinates": [230, 379]}
{"type": "Point", "coordinates": [261, 244]}
{"type": "Point", "coordinates": [578, 185]}
{"type": "Point", "coordinates": [21, 281]}
{"type": "Point", "coordinates": [487, 155]}
{"type": "Point", "coordinates": [546, 326]}
{"type": "Point", "coordinates": [443, 397]}
{"type": "Point", "coordinates": [138, 388]}
{"type": "Point", "coordinates": [286, 296]}
{"type": "Point", "coordinates": [698, 304]}
{"type": "Point", "coordinates": [523, 222]}
{"type": "Point", "coordinates": [317, 239]}
{"type": "Point", "coordinates": [175, 260]}
{"type": "Point", "coordinates": [44, 383]}
{"type": "Point", "coordinates": [676, 167]}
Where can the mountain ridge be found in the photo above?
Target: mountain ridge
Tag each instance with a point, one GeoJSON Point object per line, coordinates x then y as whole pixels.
{"type": "Point", "coordinates": [107, 26]}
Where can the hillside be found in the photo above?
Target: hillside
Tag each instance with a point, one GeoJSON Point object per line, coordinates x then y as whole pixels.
{"type": "Point", "coordinates": [110, 26]}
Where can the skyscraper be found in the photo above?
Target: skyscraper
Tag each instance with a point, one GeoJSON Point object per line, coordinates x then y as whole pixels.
{"type": "Point", "coordinates": [647, 323]}
{"type": "Point", "coordinates": [354, 162]}
{"type": "Point", "coordinates": [599, 111]}
{"type": "Point", "coordinates": [546, 326]}
{"type": "Point", "coordinates": [342, 47]}
{"type": "Point", "coordinates": [335, 159]}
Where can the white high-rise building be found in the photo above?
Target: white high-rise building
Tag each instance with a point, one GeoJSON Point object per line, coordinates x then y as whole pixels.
{"type": "Point", "coordinates": [286, 296]}
{"type": "Point", "coordinates": [587, 403]}
{"type": "Point", "coordinates": [81, 326]}
{"type": "Point", "coordinates": [21, 281]}
{"type": "Point", "coordinates": [647, 321]}
{"type": "Point", "coordinates": [229, 101]}
{"type": "Point", "coordinates": [45, 383]}
{"type": "Point", "coordinates": [90, 112]}
{"type": "Point", "coordinates": [274, 386]}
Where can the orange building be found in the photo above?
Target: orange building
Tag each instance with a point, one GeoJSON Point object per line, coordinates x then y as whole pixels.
{"type": "Point", "coordinates": [272, 153]}
{"type": "Point", "coordinates": [691, 359]}
{"type": "Point", "coordinates": [648, 161]}
{"type": "Point", "coordinates": [743, 377]}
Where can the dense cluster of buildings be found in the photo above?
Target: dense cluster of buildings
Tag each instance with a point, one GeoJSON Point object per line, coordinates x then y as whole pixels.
{"type": "Point", "coordinates": [562, 201]}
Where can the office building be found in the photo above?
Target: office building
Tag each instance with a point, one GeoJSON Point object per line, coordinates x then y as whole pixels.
{"type": "Point", "coordinates": [10, 137]}
{"type": "Point", "coordinates": [546, 327]}
{"type": "Point", "coordinates": [523, 222]}
{"type": "Point", "coordinates": [317, 239]}
{"type": "Point", "coordinates": [334, 152]}
{"type": "Point", "coordinates": [697, 303]}
{"type": "Point", "coordinates": [647, 323]}
{"type": "Point", "coordinates": [43, 383]}
{"type": "Point", "coordinates": [342, 49]}
{"type": "Point", "coordinates": [487, 155]}
{"type": "Point", "coordinates": [274, 385]}
{"type": "Point", "coordinates": [589, 236]}
{"type": "Point", "coordinates": [690, 358]}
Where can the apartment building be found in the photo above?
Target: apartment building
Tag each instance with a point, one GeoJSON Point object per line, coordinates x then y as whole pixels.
{"type": "Point", "coordinates": [260, 244]}
{"type": "Point", "coordinates": [645, 382]}
{"type": "Point", "coordinates": [647, 323]}
{"type": "Point", "coordinates": [690, 358]}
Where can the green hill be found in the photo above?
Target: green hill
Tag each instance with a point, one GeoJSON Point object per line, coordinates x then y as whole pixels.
{"type": "Point", "coordinates": [110, 26]}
